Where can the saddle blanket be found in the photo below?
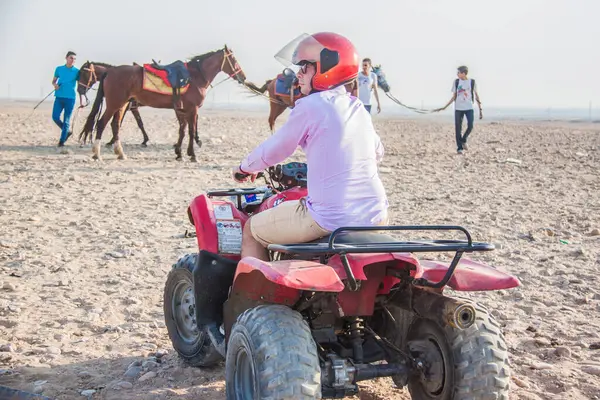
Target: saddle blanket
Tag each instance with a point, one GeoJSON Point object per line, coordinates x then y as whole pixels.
{"type": "Point", "coordinates": [157, 81]}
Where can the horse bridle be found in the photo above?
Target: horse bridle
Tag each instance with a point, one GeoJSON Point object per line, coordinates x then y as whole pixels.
{"type": "Point", "coordinates": [92, 78]}
{"type": "Point", "coordinates": [236, 71]}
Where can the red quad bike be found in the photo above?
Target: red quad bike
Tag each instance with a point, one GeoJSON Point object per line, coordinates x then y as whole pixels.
{"type": "Point", "coordinates": [322, 316]}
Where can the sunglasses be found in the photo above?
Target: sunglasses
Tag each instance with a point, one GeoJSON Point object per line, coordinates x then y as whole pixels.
{"type": "Point", "coordinates": [304, 68]}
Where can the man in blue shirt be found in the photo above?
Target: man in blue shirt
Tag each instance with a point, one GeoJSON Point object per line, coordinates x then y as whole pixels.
{"type": "Point", "coordinates": [65, 83]}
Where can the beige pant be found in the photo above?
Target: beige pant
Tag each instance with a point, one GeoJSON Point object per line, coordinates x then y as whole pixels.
{"type": "Point", "coordinates": [289, 222]}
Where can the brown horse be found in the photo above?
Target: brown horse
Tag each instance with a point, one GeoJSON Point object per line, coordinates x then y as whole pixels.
{"type": "Point", "coordinates": [125, 82]}
{"type": "Point", "coordinates": [90, 73]}
{"type": "Point", "coordinates": [279, 103]}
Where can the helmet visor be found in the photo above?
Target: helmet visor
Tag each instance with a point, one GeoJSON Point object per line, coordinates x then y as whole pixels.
{"type": "Point", "coordinates": [304, 48]}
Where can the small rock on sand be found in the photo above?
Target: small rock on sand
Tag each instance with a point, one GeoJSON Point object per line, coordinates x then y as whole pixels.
{"type": "Point", "coordinates": [520, 382]}
{"type": "Point", "coordinates": [540, 365]}
{"type": "Point", "coordinates": [591, 369]}
{"type": "Point", "coordinates": [562, 351]}
{"type": "Point", "coordinates": [124, 385]}
{"type": "Point", "coordinates": [147, 376]}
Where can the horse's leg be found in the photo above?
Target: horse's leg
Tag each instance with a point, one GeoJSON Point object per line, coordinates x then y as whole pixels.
{"type": "Point", "coordinates": [116, 124]}
{"type": "Point", "coordinates": [108, 114]}
{"type": "Point", "coordinates": [182, 124]}
{"type": "Point", "coordinates": [276, 111]}
{"type": "Point", "coordinates": [114, 131]}
{"type": "Point", "coordinates": [197, 137]}
{"type": "Point", "coordinates": [272, 116]}
{"type": "Point", "coordinates": [136, 114]}
{"type": "Point", "coordinates": [192, 119]}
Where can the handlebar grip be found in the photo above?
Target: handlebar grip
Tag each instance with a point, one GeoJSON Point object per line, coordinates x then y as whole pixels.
{"type": "Point", "coordinates": [239, 176]}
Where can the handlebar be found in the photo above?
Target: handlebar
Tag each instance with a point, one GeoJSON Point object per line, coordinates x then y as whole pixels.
{"type": "Point", "coordinates": [240, 176]}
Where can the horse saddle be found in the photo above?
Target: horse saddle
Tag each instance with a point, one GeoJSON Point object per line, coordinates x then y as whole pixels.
{"type": "Point", "coordinates": [178, 75]}
{"type": "Point", "coordinates": [174, 75]}
{"type": "Point", "coordinates": [285, 81]}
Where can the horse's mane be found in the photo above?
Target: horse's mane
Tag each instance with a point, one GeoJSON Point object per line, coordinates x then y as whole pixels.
{"type": "Point", "coordinates": [200, 59]}
{"type": "Point", "coordinates": [100, 64]}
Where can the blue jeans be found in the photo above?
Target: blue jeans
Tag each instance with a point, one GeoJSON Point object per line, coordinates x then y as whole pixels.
{"type": "Point", "coordinates": [60, 104]}
{"type": "Point", "coordinates": [368, 108]}
{"type": "Point", "coordinates": [458, 118]}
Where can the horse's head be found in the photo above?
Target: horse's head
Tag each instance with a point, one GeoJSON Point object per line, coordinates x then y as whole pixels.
{"type": "Point", "coordinates": [381, 81]}
{"type": "Point", "coordinates": [89, 74]}
{"type": "Point", "coordinates": [231, 66]}
{"type": "Point", "coordinates": [87, 78]}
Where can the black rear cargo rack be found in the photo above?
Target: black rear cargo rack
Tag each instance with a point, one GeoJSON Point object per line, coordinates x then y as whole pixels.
{"type": "Point", "coordinates": [369, 246]}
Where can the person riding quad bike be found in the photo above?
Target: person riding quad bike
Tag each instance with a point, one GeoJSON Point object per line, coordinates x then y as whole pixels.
{"type": "Point", "coordinates": [342, 149]}
{"type": "Point", "coordinates": [303, 288]}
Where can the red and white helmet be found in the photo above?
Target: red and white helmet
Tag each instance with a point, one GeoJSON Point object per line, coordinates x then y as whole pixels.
{"type": "Point", "coordinates": [334, 56]}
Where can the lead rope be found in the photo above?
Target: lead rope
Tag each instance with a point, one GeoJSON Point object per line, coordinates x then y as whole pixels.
{"type": "Point", "coordinates": [417, 110]}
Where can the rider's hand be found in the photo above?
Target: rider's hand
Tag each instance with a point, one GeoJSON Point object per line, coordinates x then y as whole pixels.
{"type": "Point", "coordinates": [55, 86]}
{"type": "Point", "coordinates": [378, 108]}
{"type": "Point", "coordinates": [241, 176]}
{"type": "Point", "coordinates": [480, 113]}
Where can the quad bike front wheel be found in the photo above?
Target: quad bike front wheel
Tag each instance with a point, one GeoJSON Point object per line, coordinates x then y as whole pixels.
{"type": "Point", "coordinates": [179, 307]}
{"type": "Point", "coordinates": [454, 364]}
{"type": "Point", "coordinates": [271, 354]}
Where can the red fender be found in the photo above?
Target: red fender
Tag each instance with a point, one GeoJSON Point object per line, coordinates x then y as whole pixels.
{"type": "Point", "coordinates": [468, 276]}
{"type": "Point", "coordinates": [295, 274]}
{"type": "Point", "coordinates": [370, 268]}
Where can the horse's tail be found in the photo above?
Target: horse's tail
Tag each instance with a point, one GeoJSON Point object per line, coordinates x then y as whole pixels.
{"type": "Point", "coordinates": [88, 128]}
{"type": "Point", "coordinates": [261, 89]}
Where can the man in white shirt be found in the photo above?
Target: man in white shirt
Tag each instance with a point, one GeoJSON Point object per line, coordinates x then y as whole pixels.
{"type": "Point", "coordinates": [367, 81]}
{"type": "Point", "coordinates": [464, 91]}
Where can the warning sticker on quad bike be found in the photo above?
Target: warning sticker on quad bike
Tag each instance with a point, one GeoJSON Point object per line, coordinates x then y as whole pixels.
{"type": "Point", "coordinates": [230, 236]}
{"type": "Point", "coordinates": [223, 211]}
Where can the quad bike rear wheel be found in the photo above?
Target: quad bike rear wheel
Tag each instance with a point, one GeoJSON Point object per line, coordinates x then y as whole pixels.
{"type": "Point", "coordinates": [271, 354]}
{"type": "Point", "coordinates": [455, 364]}
{"type": "Point", "coordinates": [179, 306]}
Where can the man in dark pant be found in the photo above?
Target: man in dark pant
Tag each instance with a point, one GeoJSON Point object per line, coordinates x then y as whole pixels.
{"type": "Point", "coordinates": [464, 91]}
{"type": "Point", "coordinates": [461, 141]}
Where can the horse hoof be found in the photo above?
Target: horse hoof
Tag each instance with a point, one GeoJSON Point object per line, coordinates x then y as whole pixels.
{"type": "Point", "coordinates": [109, 144]}
{"type": "Point", "coordinates": [144, 144]}
{"type": "Point", "coordinates": [193, 159]}
{"type": "Point", "coordinates": [95, 158]}
{"type": "Point", "coordinates": [199, 143]}
{"type": "Point", "coordinates": [123, 157]}
{"type": "Point", "coordinates": [179, 158]}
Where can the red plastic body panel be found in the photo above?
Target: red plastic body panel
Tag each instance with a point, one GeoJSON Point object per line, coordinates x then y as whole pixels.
{"type": "Point", "coordinates": [468, 276]}
{"type": "Point", "coordinates": [203, 214]}
{"type": "Point", "coordinates": [371, 269]}
{"type": "Point", "coordinates": [295, 193]}
{"type": "Point", "coordinates": [282, 281]}
{"type": "Point", "coordinates": [295, 274]}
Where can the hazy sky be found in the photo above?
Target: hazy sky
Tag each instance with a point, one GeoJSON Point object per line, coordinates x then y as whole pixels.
{"type": "Point", "coordinates": [540, 53]}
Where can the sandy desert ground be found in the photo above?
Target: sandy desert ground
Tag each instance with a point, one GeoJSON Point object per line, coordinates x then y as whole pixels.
{"type": "Point", "coordinates": [85, 246]}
